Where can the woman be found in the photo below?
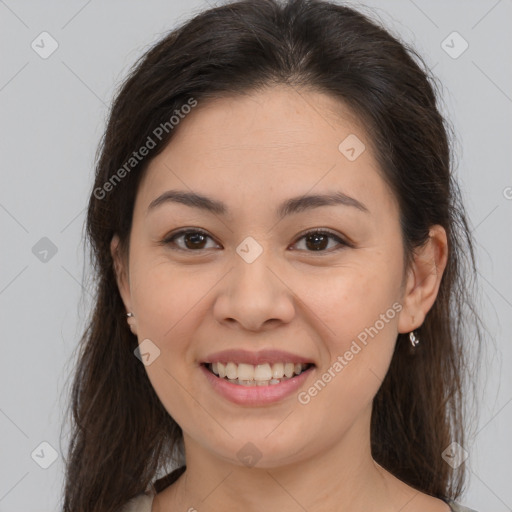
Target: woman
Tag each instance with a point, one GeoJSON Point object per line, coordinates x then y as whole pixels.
{"type": "Point", "coordinates": [280, 250]}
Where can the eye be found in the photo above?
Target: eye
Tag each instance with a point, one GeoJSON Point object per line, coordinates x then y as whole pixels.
{"type": "Point", "coordinates": [318, 240]}
{"type": "Point", "coordinates": [193, 239]}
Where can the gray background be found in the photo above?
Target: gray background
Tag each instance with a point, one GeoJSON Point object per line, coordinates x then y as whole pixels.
{"type": "Point", "coordinates": [53, 113]}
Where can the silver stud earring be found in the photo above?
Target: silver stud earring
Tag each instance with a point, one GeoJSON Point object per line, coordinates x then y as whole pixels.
{"type": "Point", "coordinates": [414, 339]}
{"type": "Point", "coordinates": [129, 315]}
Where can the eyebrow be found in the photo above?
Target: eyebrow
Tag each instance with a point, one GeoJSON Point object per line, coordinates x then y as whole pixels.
{"type": "Point", "coordinates": [288, 207]}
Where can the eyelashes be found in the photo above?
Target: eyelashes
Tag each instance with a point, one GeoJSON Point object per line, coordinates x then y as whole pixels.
{"type": "Point", "coordinates": [197, 237]}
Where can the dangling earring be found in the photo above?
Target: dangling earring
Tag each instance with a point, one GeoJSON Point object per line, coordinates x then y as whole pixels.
{"type": "Point", "coordinates": [414, 339]}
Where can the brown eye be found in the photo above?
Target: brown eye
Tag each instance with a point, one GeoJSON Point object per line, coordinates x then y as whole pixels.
{"type": "Point", "coordinates": [193, 240]}
{"type": "Point", "coordinates": [318, 241]}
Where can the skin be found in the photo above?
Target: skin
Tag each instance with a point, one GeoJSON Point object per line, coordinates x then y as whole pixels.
{"type": "Point", "coordinates": [252, 152]}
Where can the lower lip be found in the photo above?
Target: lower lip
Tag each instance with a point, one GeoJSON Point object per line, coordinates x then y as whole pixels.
{"type": "Point", "coordinates": [256, 395]}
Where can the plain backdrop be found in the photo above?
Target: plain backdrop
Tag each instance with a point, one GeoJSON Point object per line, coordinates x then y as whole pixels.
{"type": "Point", "coordinates": [53, 112]}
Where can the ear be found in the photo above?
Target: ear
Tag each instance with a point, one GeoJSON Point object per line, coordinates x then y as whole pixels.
{"type": "Point", "coordinates": [423, 280]}
{"type": "Point", "coordinates": [122, 277]}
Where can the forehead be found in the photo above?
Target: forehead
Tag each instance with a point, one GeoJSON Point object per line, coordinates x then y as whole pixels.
{"type": "Point", "coordinates": [276, 139]}
{"type": "Point", "coordinates": [279, 117]}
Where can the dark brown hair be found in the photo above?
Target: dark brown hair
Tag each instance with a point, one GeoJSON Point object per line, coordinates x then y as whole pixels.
{"type": "Point", "coordinates": [122, 437]}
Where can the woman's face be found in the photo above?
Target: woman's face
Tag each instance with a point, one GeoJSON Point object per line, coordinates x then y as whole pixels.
{"type": "Point", "coordinates": [253, 281]}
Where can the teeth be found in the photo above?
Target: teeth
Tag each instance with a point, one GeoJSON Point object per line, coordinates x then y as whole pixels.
{"type": "Point", "coordinates": [277, 370]}
{"type": "Point", "coordinates": [245, 372]}
{"type": "Point", "coordinates": [231, 371]}
{"type": "Point", "coordinates": [289, 368]}
{"type": "Point", "coordinates": [259, 375]}
{"type": "Point", "coordinates": [262, 372]}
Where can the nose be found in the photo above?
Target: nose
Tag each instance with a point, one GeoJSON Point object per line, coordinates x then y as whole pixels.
{"type": "Point", "coordinates": [254, 296]}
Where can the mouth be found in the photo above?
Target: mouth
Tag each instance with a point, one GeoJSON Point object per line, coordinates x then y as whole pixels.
{"type": "Point", "coordinates": [249, 375]}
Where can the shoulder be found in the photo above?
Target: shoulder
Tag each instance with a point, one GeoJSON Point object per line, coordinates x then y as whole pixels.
{"type": "Point", "coordinates": [141, 503]}
{"type": "Point", "coordinates": [455, 507]}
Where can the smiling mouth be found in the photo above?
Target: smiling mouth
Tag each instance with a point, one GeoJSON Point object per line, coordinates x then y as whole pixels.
{"type": "Point", "coordinates": [257, 375]}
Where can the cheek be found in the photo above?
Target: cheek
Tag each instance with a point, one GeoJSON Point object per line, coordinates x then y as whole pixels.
{"type": "Point", "coordinates": [352, 300]}
{"type": "Point", "coordinates": [166, 298]}
{"type": "Point", "coordinates": [358, 318]}
{"type": "Point", "coordinates": [168, 303]}
{"type": "Point", "coordinates": [357, 314]}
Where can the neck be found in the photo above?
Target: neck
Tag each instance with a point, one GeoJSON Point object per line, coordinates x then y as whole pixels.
{"type": "Point", "coordinates": [344, 477]}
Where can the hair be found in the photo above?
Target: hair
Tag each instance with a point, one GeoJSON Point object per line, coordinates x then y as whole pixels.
{"type": "Point", "coordinates": [122, 437]}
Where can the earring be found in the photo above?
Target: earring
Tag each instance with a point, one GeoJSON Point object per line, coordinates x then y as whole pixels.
{"type": "Point", "coordinates": [130, 322]}
{"type": "Point", "coordinates": [414, 340]}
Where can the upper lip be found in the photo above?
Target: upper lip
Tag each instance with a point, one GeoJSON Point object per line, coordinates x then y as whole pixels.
{"type": "Point", "coordinates": [263, 356]}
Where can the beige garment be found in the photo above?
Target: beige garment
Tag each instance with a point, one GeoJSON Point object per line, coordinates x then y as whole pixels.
{"type": "Point", "coordinates": [141, 503]}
